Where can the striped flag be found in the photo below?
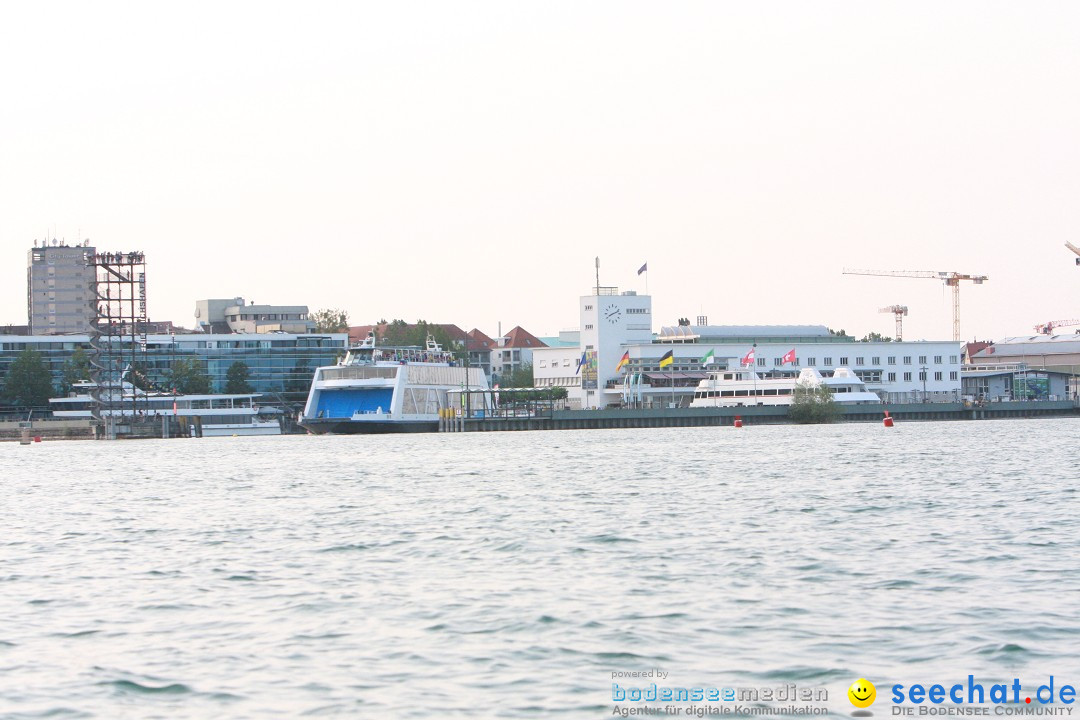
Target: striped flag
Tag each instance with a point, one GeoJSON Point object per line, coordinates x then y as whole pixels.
{"type": "Point", "coordinates": [625, 360]}
{"type": "Point", "coordinates": [580, 363]}
{"type": "Point", "coordinates": [709, 357]}
{"type": "Point", "coordinates": [669, 357]}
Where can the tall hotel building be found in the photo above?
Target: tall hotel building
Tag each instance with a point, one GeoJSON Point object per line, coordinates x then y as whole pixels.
{"type": "Point", "coordinates": [60, 285]}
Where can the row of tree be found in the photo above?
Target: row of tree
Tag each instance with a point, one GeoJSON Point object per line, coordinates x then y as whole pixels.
{"type": "Point", "coordinates": [29, 384]}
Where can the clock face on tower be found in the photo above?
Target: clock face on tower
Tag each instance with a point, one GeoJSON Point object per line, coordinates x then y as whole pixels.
{"type": "Point", "coordinates": [612, 313]}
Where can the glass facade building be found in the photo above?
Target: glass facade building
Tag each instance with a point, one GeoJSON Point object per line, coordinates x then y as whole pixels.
{"type": "Point", "coordinates": [280, 365]}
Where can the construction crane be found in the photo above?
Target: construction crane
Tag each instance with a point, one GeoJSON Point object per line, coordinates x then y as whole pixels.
{"type": "Point", "coordinates": [952, 279]}
{"type": "Point", "coordinates": [1048, 328]}
{"type": "Point", "coordinates": [1075, 250]}
{"type": "Point", "coordinates": [899, 311]}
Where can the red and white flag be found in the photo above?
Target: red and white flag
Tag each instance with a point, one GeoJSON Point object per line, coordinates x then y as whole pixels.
{"type": "Point", "coordinates": [789, 357]}
{"type": "Point", "coordinates": [748, 358]}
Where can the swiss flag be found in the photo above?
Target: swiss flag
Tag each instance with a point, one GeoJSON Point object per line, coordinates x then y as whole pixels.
{"type": "Point", "coordinates": [789, 357]}
{"type": "Point", "coordinates": [748, 358]}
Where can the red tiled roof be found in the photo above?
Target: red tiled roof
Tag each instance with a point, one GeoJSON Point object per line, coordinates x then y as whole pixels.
{"type": "Point", "coordinates": [521, 338]}
{"type": "Point", "coordinates": [477, 340]}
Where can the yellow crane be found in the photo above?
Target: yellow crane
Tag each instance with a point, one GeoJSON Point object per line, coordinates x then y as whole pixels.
{"type": "Point", "coordinates": [1075, 250]}
{"type": "Point", "coordinates": [952, 279]}
{"type": "Point", "coordinates": [899, 311]}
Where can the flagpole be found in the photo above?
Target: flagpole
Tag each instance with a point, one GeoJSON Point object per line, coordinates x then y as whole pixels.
{"type": "Point", "coordinates": [753, 369]}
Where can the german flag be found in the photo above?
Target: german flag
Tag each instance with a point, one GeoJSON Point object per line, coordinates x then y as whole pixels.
{"type": "Point", "coordinates": [669, 357]}
{"type": "Point", "coordinates": [624, 361]}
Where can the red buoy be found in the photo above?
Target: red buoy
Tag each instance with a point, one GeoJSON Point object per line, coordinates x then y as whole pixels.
{"type": "Point", "coordinates": [37, 438]}
{"type": "Point", "coordinates": [888, 421]}
{"type": "Point", "coordinates": [738, 421]}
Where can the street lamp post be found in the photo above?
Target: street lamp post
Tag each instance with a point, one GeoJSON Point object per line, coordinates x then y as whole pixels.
{"type": "Point", "coordinates": [922, 371]}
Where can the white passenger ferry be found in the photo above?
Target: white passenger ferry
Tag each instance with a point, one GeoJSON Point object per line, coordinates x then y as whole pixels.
{"type": "Point", "coordinates": [382, 389]}
{"type": "Point", "coordinates": [218, 414]}
{"type": "Point", "coordinates": [734, 388]}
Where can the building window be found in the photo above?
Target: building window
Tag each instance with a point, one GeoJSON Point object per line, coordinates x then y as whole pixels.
{"type": "Point", "coordinates": [776, 361]}
{"type": "Point", "coordinates": [907, 377]}
{"type": "Point", "coordinates": [952, 375]}
{"type": "Point", "coordinates": [828, 362]}
{"type": "Point", "coordinates": [937, 359]}
{"type": "Point", "coordinates": [907, 359]}
{"type": "Point", "coordinates": [588, 327]}
{"type": "Point", "coordinates": [937, 376]}
{"type": "Point", "coordinates": [875, 361]}
{"type": "Point", "coordinates": [811, 361]}
{"type": "Point", "coordinates": [843, 361]}
{"type": "Point", "coordinates": [952, 359]}
{"type": "Point", "coordinates": [859, 361]}
{"type": "Point", "coordinates": [761, 362]}
{"type": "Point", "coordinates": [588, 307]}
{"type": "Point", "coordinates": [892, 359]}
{"type": "Point", "coordinates": [922, 376]}
{"type": "Point", "coordinates": [892, 377]}
{"type": "Point", "coordinates": [922, 359]}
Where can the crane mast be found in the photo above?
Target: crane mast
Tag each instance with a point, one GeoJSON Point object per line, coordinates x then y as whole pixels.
{"type": "Point", "coordinates": [951, 279]}
{"type": "Point", "coordinates": [899, 311]}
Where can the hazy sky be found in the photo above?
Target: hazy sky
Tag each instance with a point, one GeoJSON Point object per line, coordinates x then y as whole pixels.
{"type": "Point", "coordinates": [465, 162]}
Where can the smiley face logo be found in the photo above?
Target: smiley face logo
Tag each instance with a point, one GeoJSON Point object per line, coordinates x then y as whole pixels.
{"type": "Point", "coordinates": [862, 693]}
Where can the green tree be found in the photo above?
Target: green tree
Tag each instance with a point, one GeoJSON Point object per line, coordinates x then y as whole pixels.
{"type": "Point", "coordinates": [838, 333]}
{"type": "Point", "coordinates": [28, 382]}
{"type": "Point", "coordinates": [520, 377]}
{"type": "Point", "coordinates": [812, 404]}
{"type": "Point", "coordinates": [188, 376]}
{"type": "Point", "coordinates": [236, 379]}
{"type": "Point", "coordinates": [876, 337]}
{"type": "Point", "coordinates": [399, 332]}
{"type": "Point", "coordinates": [139, 376]}
{"type": "Point", "coordinates": [330, 320]}
{"type": "Point", "coordinates": [76, 369]}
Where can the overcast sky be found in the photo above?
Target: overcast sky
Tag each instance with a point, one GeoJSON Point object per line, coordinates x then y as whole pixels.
{"type": "Point", "coordinates": [465, 162]}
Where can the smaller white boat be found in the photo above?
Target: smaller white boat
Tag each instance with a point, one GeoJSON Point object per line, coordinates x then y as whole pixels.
{"type": "Point", "coordinates": [736, 388]}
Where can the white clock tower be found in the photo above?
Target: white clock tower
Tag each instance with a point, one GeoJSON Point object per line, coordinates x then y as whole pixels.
{"type": "Point", "coordinates": [609, 320]}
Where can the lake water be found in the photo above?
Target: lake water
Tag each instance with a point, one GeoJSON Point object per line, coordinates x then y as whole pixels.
{"type": "Point", "coordinates": [510, 574]}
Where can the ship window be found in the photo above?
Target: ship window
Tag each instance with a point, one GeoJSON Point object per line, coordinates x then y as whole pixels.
{"type": "Point", "coordinates": [783, 391]}
{"type": "Point", "coordinates": [742, 393]}
{"type": "Point", "coordinates": [769, 391]}
{"type": "Point", "coordinates": [728, 376]}
{"type": "Point", "coordinates": [727, 393]}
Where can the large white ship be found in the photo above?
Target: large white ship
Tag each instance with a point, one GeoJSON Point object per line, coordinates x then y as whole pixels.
{"type": "Point", "coordinates": [218, 414]}
{"type": "Point", "coordinates": [382, 389]}
{"type": "Point", "coordinates": [735, 388]}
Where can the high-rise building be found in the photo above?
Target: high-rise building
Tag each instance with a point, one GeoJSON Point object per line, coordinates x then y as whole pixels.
{"type": "Point", "coordinates": [60, 281]}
